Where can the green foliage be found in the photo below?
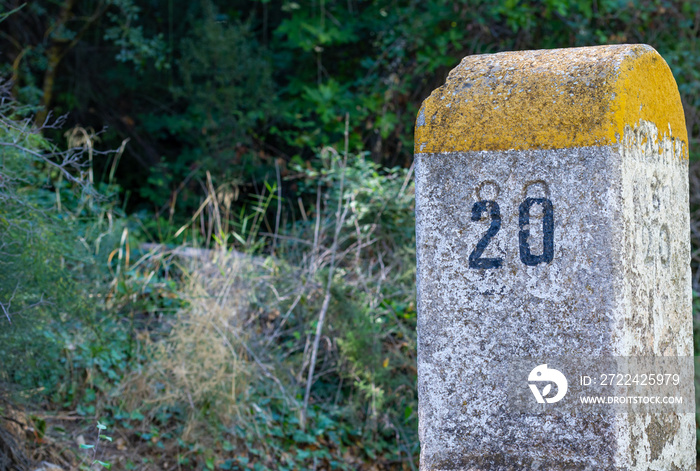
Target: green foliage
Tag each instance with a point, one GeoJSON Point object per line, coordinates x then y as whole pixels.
{"type": "Point", "coordinates": [369, 365]}
{"type": "Point", "coordinates": [213, 389]}
{"type": "Point", "coordinates": [226, 84]}
{"type": "Point", "coordinates": [93, 450]}
{"type": "Point", "coordinates": [44, 33]}
{"type": "Point", "coordinates": [229, 86]}
{"type": "Point", "coordinates": [55, 230]}
{"type": "Point", "coordinates": [223, 93]}
{"type": "Point", "coordinates": [134, 46]}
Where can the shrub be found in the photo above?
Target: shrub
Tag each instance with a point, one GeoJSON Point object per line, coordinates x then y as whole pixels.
{"type": "Point", "coordinates": [55, 229]}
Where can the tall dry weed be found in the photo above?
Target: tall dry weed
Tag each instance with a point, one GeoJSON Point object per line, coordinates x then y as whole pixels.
{"type": "Point", "coordinates": [204, 364]}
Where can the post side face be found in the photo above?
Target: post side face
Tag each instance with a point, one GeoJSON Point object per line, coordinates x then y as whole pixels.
{"type": "Point", "coordinates": [656, 296]}
{"type": "Point", "coordinates": [654, 310]}
{"type": "Point", "coordinates": [474, 322]}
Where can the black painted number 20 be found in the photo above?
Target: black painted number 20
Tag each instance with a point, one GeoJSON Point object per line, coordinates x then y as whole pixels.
{"type": "Point", "coordinates": [526, 255]}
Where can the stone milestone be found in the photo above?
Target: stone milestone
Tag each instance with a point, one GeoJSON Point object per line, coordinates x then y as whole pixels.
{"type": "Point", "coordinates": [552, 227]}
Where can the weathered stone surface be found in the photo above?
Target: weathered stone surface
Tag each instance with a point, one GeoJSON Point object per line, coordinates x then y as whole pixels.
{"type": "Point", "coordinates": [550, 99]}
{"type": "Point", "coordinates": [538, 237]}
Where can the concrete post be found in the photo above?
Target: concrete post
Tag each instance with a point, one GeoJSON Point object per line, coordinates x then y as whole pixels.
{"type": "Point", "coordinates": [553, 253]}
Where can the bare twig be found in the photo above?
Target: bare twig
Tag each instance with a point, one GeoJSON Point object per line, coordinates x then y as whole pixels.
{"type": "Point", "coordinates": [6, 306]}
{"type": "Point", "coordinates": [314, 252]}
{"type": "Point", "coordinates": [257, 361]}
{"type": "Point", "coordinates": [340, 214]}
{"type": "Point", "coordinates": [279, 205]}
{"type": "Point", "coordinates": [70, 158]}
{"type": "Point", "coordinates": [407, 179]}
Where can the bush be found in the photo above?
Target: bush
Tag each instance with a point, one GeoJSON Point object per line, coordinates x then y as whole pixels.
{"type": "Point", "coordinates": [55, 229]}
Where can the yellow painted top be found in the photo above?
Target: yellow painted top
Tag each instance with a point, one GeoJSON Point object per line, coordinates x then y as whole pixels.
{"type": "Point", "coordinates": [551, 99]}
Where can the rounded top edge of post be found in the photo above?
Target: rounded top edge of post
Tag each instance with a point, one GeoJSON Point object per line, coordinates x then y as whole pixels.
{"type": "Point", "coordinates": [552, 98]}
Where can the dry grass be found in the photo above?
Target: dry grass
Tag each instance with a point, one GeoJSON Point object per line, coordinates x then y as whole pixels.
{"type": "Point", "coordinates": [205, 362]}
